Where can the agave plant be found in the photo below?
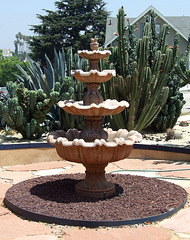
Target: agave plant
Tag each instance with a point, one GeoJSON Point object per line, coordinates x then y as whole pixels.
{"type": "Point", "coordinates": [59, 79]}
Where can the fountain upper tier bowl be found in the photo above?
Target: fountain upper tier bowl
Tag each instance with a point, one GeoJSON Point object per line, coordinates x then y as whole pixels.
{"type": "Point", "coordinates": [108, 107]}
{"type": "Point", "coordinates": [94, 55]}
{"type": "Point", "coordinates": [93, 75]}
{"type": "Point", "coordinates": [70, 147]}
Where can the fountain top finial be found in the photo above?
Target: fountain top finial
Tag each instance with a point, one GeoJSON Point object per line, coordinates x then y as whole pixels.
{"type": "Point", "coordinates": [94, 44]}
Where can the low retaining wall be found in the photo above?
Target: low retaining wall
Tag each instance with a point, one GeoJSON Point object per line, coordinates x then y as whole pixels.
{"type": "Point", "coordinates": [25, 153]}
{"type": "Point", "coordinates": [160, 152]}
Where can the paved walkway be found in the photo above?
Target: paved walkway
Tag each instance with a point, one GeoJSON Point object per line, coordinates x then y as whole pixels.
{"type": "Point", "coordinates": [12, 227]}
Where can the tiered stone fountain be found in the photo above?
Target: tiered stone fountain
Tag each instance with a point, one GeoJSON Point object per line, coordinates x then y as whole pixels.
{"type": "Point", "coordinates": [94, 146]}
{"type": "Point", "coordinates": [52, 199]}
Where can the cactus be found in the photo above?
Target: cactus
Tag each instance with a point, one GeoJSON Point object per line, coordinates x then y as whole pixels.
{"type": "Point", "coordinates": [26, 111]}
{"type": "Point", "coordinates": [176, 78]}
{"type": "Point", "coordinates": [56, 79]}
{"type": "Point", "coordinates": [122, 51]}
{"type": "Point", "coordinates": [153, 75]}
{"type": "Point", "coordinates": [181, 66]}
{"type": "Point", "coordinates": [142, 70]}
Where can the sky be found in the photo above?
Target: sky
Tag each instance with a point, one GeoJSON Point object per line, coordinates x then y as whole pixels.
{"type": "Point", "coordinates": [18, 15]}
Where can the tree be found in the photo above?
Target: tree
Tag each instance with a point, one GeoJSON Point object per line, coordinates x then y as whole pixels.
{"type": "Point", "coordinates": [1, 54]}
{"type": "Point", "coordinates": [21, 46]}
{"type": "Point", "coordinates": [72, 24]}
{"type": "Point", "coordinates": [8, 69]}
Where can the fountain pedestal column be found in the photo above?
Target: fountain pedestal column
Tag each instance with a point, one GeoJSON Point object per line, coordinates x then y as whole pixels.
{"type": "Point", "coordinates": [92, 95]}
{"type": "Point", "coordinates": [95, 183]}
{"type": "Point", "coordinates": [93, 129]}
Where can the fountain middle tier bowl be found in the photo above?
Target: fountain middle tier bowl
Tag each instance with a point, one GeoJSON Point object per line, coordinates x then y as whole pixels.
{"type": "Point", "coordinates": [118, 146]}
{"type": "Point", "coordinates": [94, 55]}
{"type": "Point", "coordinates": [93, 76]}
{"type": "Point", "coordinates": [108, 107]}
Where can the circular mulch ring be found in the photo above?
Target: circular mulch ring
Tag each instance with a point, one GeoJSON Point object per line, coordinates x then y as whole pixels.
{"type": "Point", "coordinates": [137, 199]}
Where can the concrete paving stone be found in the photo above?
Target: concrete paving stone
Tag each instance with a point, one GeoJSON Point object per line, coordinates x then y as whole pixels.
{"type": "Point", "coordinates": [178, 174]}
{"type": "Point", "coordinates": [48, 172]}
{"type": "Point", "coordinates": [3, 189]}
{"type": "Point", "coordinates": [188, 197]}
{"type": "Point", "coordinates": [140, 233]}
{"type": "Point", "coordinates": [79, 168]}
{"type": "Point", "coordinates": [37, 237]}
{"type": "Point", "coordinates": [183, 235]}
{"type": "Point", "coordinates": [16, 176]}
{"type": "Point", "coordinates": [4, 211]}
{"type": "Point", "coordinates": [12, 227]}
{"type": "Point", "coordinates": [38, 166]}
{"type": "Point", "coordinates": [180, 239]}
{"type": "Point", "coordinates": [141, 164]}
{"type": "Point", "coordinates": [76, 168]}
{"type": "Point", "coordinates": [6, 181]}
{"type": "Point", "coordinates": [181, 174]}
{"type": "Point", "coordinates": [179, 223]}
{"type": "Point", "coordinates": [111, 167]}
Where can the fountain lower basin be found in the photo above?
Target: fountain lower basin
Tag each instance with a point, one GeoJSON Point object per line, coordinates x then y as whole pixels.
{"type": "Point", "coordinates": [95, 156]}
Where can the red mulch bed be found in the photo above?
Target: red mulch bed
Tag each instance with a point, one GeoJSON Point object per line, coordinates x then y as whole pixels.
{"type": "Point", "coordinates": [135, 197]}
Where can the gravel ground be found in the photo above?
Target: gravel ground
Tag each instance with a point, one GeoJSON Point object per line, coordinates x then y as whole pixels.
{"type": "Point", "coordinates": [54, 196]}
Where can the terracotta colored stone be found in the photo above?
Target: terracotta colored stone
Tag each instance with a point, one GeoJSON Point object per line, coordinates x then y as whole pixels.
{"type": "Point", "coordinates": [76, 168]}
{"type": "Point", "coordinates": [140, 164]}
{"type": "Point", "coordinates": [12, 227]}
{"type": "Point", "coordinates": [6, 181]}
{"type": "Point", "coordinates": [3, 189]}
{"type": "Point", "coordinates": [180, 222]}
{"type": "Point", "coordinates": [4, 211]}
{"type": "Point", "coordinates": [38, 166]}
{"type": "Point", "coordinates": [37, 237]}
{"type": "Point", "coordinates": [141, 233]}
{"type": "Point", "coordinates": [112, 167]}
{"type": "Point", "coordinates": [16, 176]}
{"type": "Point", "coordinates": [180, 174]}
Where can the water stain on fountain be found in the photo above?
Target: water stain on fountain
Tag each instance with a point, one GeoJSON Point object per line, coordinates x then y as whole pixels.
{"type": "Point", "coordinates": [94, 146]}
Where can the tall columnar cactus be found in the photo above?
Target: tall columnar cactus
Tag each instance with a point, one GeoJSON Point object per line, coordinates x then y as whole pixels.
{"type": "Point", "coordinates": [176, 78]}
{"type": "Point", "coordinates": [25, 111]}
{"type": "Point", "coordinates": [181, 66]}
{"type": "Point", "coordinates": [141, 77]}
{"type": "Point", "coordinates": [122, 48]}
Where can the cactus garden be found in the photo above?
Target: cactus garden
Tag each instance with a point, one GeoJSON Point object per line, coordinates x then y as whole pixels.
{"type": "Point", "coordinates": [149, 76]}
{"type": "Point", "coordinates": [95, 133]}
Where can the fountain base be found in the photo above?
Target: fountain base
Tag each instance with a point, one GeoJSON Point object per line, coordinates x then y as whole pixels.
{"type": "Point", "coordinates": [95, 184]}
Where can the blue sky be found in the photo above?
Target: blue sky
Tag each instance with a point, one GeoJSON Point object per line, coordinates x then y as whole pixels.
{"type": "Point", "coordinates": [17, 15]}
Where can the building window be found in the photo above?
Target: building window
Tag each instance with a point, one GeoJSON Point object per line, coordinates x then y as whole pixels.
{"type": "Point", "coordinates": [158, 28]}
{"type": "Point", "coordinates": [141, 29]}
